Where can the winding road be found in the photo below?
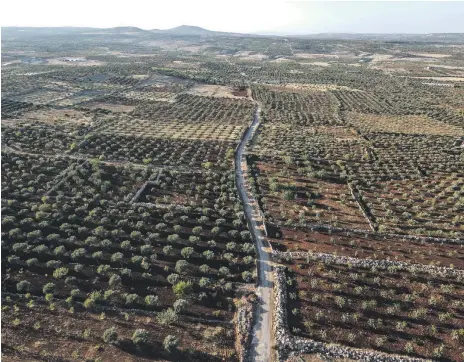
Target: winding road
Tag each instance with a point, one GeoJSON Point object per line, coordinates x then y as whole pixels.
{"type": "Point", "coordinates": [261, 349]}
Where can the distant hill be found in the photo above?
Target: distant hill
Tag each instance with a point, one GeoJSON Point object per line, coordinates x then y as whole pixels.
{"type": "Point", "coordinates": [189, 30]}
{"type": "Point", "coordinates": [126, 29]}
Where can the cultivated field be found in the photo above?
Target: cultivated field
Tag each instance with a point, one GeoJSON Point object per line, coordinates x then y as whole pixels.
{"type": "Point", "coordinates": [124, 236]}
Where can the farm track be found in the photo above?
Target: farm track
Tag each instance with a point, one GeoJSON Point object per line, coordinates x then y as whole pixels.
{"type": "Point", "coordinates": [261, 337]}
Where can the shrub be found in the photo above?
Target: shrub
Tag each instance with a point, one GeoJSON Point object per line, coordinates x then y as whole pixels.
{"type": "Point", "coordinates": [245, 235]}
{"type": "Point", "coordinates": [59, 250]}
{"type": "Point", "coordinates": [49, 288]}
{"type": "Point", "coordinates": [187, 252]}
{"type": "Point", "coordinates": [173, 278]}
{"type": "Point", "coordinates": [117, 257]}
{"type": "Point", "coordinates": [23, 286]}
{"type": "Point", "coordinates": [205, 268]}
{"type": "Point", "coordinates": [151, 300]}
{"type": "Point", "coordinates": [182, 266]}
{"type": "Point", "coordinates": [197, 230]}
{"type": "Point", "coordinates": [204, 282]}
{"type": "Point", "coordinates": [89, 303]}
{"type": "Point", "coordinates": [180, 305]}
{"type": "Point", "coordinates": [146, 250]}
{"type": "Point", "coordinates": [208, 254]}
{"type": "Point", "coordinates": [224, 271]}
{"type": "Point", "coordinates": [75, 293]}
{"type": "Point", "coordinates": [70, 281]}
{"type": "Point", "coordinates": [194, 239]}
{"type": "Point", "coordinates": [32, 261]}
{"type": "Point", "coordinates": [132, 299]}
{"type": "Point", "coordinates": [182, 288]}
{"type": "Point", "coordinates": [126, 245]}
{"type": "Point", "coordinates": [168, 250]}
{"type": "Point", "coordinates": [115, 281]}
{"type": "Point", "coordinates": [140, 337]}
{"type": "Point", "coordinates": [170, 343]}
{"type": "Point", "coordinates": [53, 264]}
{"type": "Point", "coordinates": [173, 238]}
{"type": "Point", "coordinates": [247, 276]}
{"type": "Point", "coordinates": [110, 335]}
{"type": "Point", "coordinates": [167, 317]}
{"type": "Point", "coordinates": [78, 253]}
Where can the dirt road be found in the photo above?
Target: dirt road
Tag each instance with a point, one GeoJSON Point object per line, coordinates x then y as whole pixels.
{"type": "Point", "coordinates": [262, 329]}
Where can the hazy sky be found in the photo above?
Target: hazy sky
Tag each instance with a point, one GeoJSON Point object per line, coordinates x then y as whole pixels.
{"type": "Point", "coordinates": [271, 16]}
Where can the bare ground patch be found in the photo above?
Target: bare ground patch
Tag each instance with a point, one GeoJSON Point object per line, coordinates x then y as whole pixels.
{"type": "Point", "coordinates": [208, 90]}
{"type": "Point", "coordinates": [112, 107]}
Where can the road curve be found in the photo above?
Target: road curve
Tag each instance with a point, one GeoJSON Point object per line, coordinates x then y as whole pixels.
{"type": "Point", "coordinates": [261, 349]}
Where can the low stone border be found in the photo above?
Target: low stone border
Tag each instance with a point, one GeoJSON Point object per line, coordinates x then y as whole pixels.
{"type": "Point", "coordinates": [288, 345]}
{"type": "Point", "coordinates": [400, 237]}
{"type": "Point", "coordinates": [368, 263]}
{"type": "Point", "coordinates": [244, 320]}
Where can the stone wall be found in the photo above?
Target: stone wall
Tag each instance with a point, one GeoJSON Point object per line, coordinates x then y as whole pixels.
{"type": "Point", "coordinates": [368, 263]}
{"type": "Point", "coordinates": [244, 319]}
{"type": "Point", "coordinates": [288, 345]}
{"type": "Point", "coordinates": [399, 237]}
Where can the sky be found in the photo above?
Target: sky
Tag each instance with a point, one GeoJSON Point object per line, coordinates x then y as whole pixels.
{"type": "Point", "coordinates": [244, 16]}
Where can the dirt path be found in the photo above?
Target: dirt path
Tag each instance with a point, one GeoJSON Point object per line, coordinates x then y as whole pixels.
{"type": "Point", "coordinates": [262, 330]}
{"type": "Point", "coordinates": [290, 46]}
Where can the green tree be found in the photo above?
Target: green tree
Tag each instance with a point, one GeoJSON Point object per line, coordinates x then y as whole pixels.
{"type": "Point", "coordinates": [140, 337]}
{"type": "Point", "coordinates": [23, 286]}
{"type": "Point", "coordinates": [60, 273]}
{"type": "Point", "coordinates": [187, 252]}
{"type": "Point", "coordinates": [180, 305]}
{"type": "Point", "coordinates": [49, 288]}
{"type": "Point", "coordinates": [182, 288]}
{"type": "Point", "coordinates": [170, 343]}
{"type": "Point", "coordinates": [110, 335]}
{"type": "Point", "coordinates": [167, 317]}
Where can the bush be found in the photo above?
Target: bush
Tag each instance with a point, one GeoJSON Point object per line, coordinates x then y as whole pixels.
{"type": "Point", "coordinates": [245, 235]}
{"type": "Point", "coordinates": [180, 305]}
{"type": "Point", "coordinates": [146, 250]}
{"type": "Point", "coordinates": [167, 317]}
{"type": "Point", "coordinates": [208, 254]}
{"type": "Point", "coordinates": [70, 281]}
{"type": "Point", "coordinates": [132, 299]}
{"type": "Point", "coordinates": [110, 335]}
{"type": "Point", "coordinates": [247, 276]}
{"type": "Point", "coordinates": [223, 270]}
{"type": "Point", "coordinates": [168, 250]}
{"type": "Point", "coordinates": [187, 252]}
{"type": "Point", "coordinates": [89, 303]}
{"type": "Point", "coordinates": [115, 281]}
{"type": "Point", "coordinates": [204, 282]}
{"type": "Point", "coordinates": [173, 278]}
{"type": "Point", "coordinates": [32, 262]}
{"type": "Point", "coordinates": [49, 288]}
{"type": "Point", "coordinates": [140, 337]}
{"type": "Point", "coordinates": [53, 264]}
{"type": "Point", "coordinates": [182, 288]}
{"type": "Point", "coordinates": [78, 253]}
{"type": "Point", "coordinates": [181, 266]}
{"type": "Point", "coordinates": [151, 300]}
{"type": "Point", "coordinates": [170, 343]}
{"type": "Point", "coordinates": [197, 230]}
{"type": "Point", "coordinates": [117, 257]}
{"type": "Point", "coordinates": [23, 286]}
